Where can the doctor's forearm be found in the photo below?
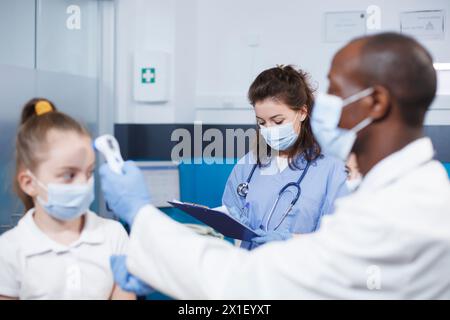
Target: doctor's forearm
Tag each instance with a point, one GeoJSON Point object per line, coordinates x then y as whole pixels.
{"type": "Point", "coordinates": [180, 263]}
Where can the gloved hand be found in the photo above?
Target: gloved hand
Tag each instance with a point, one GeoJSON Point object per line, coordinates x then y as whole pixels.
{"type": "Point", "coordinates": [269, 236]}
{"type": "Point", "coordinates": [239, 215]}
{"type": "Point", "coordinates": [127, 281]}
{"type": "Point", "coordinates": [125, 193]}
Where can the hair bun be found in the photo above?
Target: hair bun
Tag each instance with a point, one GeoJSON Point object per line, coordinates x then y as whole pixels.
{"type": "Point", "coordinates": [35, 108]}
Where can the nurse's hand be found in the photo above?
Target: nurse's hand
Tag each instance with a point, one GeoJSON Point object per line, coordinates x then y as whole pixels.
{"type": "Point", "coordinates": [126, 280]}
{"type": "Point", "coordinates": [124, 193]}
{"type": "Point", "coordinates": [239, 216]}
{"type": "Point", "coordinates": [269, 236]}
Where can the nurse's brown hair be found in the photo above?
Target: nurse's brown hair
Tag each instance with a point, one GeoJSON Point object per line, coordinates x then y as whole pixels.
{"type": "Point", "coordinates": [292, 87]}
{"type": "Point", "coordinates": [39, 116]}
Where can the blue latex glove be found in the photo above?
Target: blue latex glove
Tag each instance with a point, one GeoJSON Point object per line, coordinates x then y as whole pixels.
{"type": "Point", "coordinates": [239, 215]}
{"type": "Point", "coordinates": [125, 193]}
{"type": "Point", "coordinates": [269, 236]}
{"type": "Point", "coordinates": [126, 280]}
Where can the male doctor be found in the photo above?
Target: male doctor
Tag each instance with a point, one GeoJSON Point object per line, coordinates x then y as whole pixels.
{"type": "Point", "coordinates": [389, 239]}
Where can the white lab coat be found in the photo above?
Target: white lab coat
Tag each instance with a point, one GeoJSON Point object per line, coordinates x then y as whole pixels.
{"type": "Point", "coordinates": [390, 239]}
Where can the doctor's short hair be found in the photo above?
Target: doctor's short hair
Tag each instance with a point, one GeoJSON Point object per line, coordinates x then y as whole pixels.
{"type": "Point", "coordinates": [404, 67]}
{"type": "Point", "coordinates": [38, 117]}
{"type": "Point", "coordinates": [291, 86]}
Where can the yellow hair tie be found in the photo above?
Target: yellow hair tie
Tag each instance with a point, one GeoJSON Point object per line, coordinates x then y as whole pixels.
{"type": "Point", "coordinates": [43, 107]}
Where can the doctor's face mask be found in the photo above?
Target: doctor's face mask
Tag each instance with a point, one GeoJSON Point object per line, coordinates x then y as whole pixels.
{"type": "Point", "coordinates": [335, 141]}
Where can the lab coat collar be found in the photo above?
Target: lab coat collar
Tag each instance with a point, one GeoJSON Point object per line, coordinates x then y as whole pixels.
{"type": "Point", "coordinates": [398, 164]}
{"type": "Point", "coordinates": [37, 242]}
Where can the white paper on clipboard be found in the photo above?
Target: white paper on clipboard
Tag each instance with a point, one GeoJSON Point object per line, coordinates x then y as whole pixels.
{"type": "Point", "coordinates": [163, 181]}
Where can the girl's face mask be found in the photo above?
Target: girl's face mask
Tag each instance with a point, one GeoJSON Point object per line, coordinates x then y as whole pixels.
{"type": "Point", "coordinates": [66, 202]}
{"type": "Point", "coordinates": [353, 184]}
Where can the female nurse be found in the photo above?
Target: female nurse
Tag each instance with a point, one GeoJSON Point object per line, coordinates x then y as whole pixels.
{"type": "Point", "coordinates": [284, 186]}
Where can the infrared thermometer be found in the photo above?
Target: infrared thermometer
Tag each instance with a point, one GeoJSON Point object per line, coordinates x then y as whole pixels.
{"type": "Point", "coordinates": [110, 149]}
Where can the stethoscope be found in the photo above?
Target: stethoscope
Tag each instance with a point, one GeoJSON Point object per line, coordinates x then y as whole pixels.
{"type": "Point", "coordinates": [242, 191]}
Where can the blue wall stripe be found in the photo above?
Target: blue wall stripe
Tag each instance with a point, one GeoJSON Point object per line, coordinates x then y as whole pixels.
{"type": "Point", "coordinates": [153, 141]}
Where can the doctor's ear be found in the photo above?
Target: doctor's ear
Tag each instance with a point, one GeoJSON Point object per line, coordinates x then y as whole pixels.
{"type": "Point", "coordinates": [26, 183]}
{"type": "Point", "coordinates": [382, 101]}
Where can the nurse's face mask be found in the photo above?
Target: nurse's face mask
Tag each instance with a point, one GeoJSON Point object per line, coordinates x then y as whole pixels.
{"type": "Point", "coordinates": [327, 111]}
{"type": "Point", "coordinates": [66, 202]}
{"type": "Point", "coordinates": [280, 137]}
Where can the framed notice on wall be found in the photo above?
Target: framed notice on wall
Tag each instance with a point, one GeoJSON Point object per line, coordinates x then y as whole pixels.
{"type": "Point", "coordinates": [427, 24]}
{"type": "Point", "coordinates": [344, 25]}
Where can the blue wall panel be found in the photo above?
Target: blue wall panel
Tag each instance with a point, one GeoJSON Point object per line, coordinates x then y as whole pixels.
{"type": "Point", "coordinates": [202, 184]}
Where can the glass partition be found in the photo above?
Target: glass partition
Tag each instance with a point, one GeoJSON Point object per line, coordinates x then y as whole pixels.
{"type": "Point", "coordinates": [51, 49]}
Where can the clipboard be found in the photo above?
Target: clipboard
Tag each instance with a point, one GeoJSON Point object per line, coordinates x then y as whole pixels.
{"type": "Point", "coordinates": [220, 221]}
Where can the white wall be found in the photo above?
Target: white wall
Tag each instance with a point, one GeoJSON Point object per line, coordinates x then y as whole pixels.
{"type": "Point", "coordinates": [219, 46]}
{"type": "Point", "coordinates": [156, 25]}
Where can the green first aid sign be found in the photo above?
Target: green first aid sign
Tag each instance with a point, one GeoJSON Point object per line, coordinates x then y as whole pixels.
{"type": "Point", "coordinates": [148, 75]}
{"type": "Point", "coordinates": [151, 76]}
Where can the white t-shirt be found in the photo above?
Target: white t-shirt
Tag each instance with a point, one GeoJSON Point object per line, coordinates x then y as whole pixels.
{"type": "Point", "coordinates": [282, 163]}
{"type": "Point", "coordinates": [33, 266]}
{"type": "Point", "coordinates": [276, 166]}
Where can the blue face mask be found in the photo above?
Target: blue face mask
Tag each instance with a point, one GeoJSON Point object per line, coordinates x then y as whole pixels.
{"type": "Point", "coordinates": [67, 202]}
{"type": "Point", "coordinates": [325, 118]}
{"type": "Point", "coordinates": [280, 137]}
{"type": "Point", "coordinates": [353, 184]}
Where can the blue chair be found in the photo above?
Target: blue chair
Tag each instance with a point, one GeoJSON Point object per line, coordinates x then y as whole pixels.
{"type": "Point", "coordinates": [447, 166]}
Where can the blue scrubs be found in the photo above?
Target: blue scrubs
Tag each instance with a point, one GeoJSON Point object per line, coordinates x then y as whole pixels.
{"type": "Point", "coordinates": [323, 183]}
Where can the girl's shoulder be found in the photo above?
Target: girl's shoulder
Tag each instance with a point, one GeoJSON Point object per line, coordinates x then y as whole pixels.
{"type": "Point", "coordinates": [108, 226]}
{"type": "Point", "coordinates": [11, 238]}
{"type": "Point", "coordinates": [111, 232]}
{"type": "Point", "coordinates": [20, 231]}
{"type": "Point", "coordinates": [16, 238]}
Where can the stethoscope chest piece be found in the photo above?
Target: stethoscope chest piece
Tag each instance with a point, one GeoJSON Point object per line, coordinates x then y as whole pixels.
{"type": "Point", "coordinates": [242, 189]}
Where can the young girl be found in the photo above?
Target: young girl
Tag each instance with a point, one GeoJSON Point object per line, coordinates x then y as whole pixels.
{"type": "Point", "coordinates": [59, 249]}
